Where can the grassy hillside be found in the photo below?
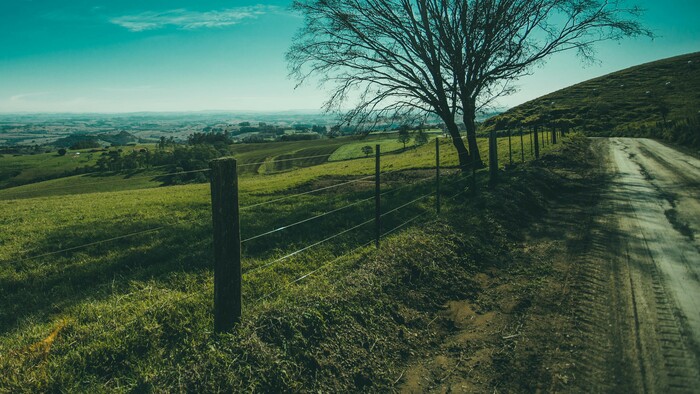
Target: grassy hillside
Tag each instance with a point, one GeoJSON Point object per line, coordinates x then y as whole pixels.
{"type": "Point", "coordinates": [261, 158]}
{"type": "Point", "coordinates": [134, 312]}
{"type": "Point", "coordinates": [659, 99]}
{"type": "Point", "coordinates": [276, 161]}
{"type": "Point", "coordinates": [22, 169]}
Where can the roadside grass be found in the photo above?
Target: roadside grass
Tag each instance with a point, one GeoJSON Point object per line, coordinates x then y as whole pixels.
{"type": "Point", "coordinates": [135, 313]}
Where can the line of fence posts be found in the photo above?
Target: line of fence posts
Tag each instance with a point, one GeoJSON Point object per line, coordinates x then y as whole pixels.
{"type": "Point", "coordinates": [227, 233]}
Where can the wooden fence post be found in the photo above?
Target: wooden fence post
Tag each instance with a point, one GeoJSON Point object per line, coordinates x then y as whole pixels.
{"type": "Point", "coordinates": [537, 144]}
{"type": "Point", "coordinates": [510, 148]}
{"type": "Point", "coordinates": [474, 184]}
{"type": "Point", "coordinates": [522, 146]}
{"type": "Point", "coordinates": [543, 135]}
{"type": "Point", "coordinates": [377, 198]}
{"type": "Point", "coordinates": [437, 175]}
{"type": "Point", "coordinates": [531, 143]}
{"type": "Point", "coordinates": [493, 158]}
{"type": "Point", "coordinates": [227, 244]}
{"type": "Point", "coordinates": [554, 136]}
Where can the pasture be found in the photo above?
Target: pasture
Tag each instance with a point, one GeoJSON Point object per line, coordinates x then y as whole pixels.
{"type": "Point", "coordinates": [101, 275]}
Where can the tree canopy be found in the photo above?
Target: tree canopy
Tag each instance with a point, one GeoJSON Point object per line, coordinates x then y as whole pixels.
{"type": "Point", "coordinates": [402, 59]}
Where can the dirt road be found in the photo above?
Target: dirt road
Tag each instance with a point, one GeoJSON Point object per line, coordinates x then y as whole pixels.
{"type": "Point", "coordinates": [642, 272]}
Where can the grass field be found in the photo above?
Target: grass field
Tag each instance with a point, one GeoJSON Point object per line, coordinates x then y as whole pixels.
{"type": "Point", "coordinates": [114, 316]}
{"type": "Point", "coordinates": [20, 169]}
{"type": "Point", "coordinates": [257, 159]}
{"type": "Point", "coordinates": [389, 143]}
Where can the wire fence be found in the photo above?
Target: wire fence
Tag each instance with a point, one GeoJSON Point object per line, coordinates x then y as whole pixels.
{"type": "Point", "coordinates": [401, 201]}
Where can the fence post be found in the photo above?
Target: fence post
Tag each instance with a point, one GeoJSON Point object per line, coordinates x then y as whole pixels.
{"type": "Point", "coordinates": [522, 146]}
{"type": "Point", "coordinates": [554, 136]}
{"type": "Point", "coordinates": [227, 244]}
{"type": "Point", "coordinates": [531, 143]}
{"type": "Point", "coordinates": [543, 135]}
{"type": "Point", "coordinates": [537, 144]}
{"type": "Point", "coordinates": [493, 158]}
{"type": "Point", "coordinates": [377, 198]}
{"type": "Point", "coordinates": [437, 175]}
{"type": "Point", "coordinates": [510, 147]}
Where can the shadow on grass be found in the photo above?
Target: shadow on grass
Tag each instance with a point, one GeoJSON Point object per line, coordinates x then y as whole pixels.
{"type": "Point", "coordinates": [36, 289]}
{"type": "Point", "coordinates": [49, 285]}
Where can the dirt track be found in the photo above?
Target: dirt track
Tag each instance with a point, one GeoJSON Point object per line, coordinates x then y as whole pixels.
{"type": "Point", "coordinates": [641, 275]}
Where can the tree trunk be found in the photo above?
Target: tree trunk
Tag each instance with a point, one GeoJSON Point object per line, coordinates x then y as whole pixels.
{"type": "Point", "coordinates": [469, 122]}
{"type": "Point", "coordinates": [462, 152]}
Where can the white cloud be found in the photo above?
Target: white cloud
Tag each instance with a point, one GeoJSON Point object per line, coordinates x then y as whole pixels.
{"type": "Point", "coordinates": [189, 20]}
{"type": "Point", "coordinates": [25, 96]}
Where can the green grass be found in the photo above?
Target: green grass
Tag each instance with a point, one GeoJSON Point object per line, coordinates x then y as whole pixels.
{"type": "Point", "coordinates": [617, 102]}
{"type": "Point", "coordinates": [20, 169]}
{"type": "Point", "coordinates": [135, 313]}
{"type": "Point", "coordinates": [277, 175]}
{"type": "Point", "coordinates": [388, 142]}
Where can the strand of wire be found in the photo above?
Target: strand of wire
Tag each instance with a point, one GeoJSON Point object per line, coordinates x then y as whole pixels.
{"type": "Point", "coordinates": [73, 248]}
{"type": "Point", "coordinates": [404, 224]}
{"type": "Point", "coordinates": [407, 204]}
{"type": "Point", "coordinates": [309, 247]}
{"type": "Point", "coordinates": [308, 274]}
{"type": "Point", "coordinates": [407, 186]}
{"type": "Point", "coordinates": [307, 220]}
{"type": "Point", "coordinates": [283, 160]}
{"type": "Point", "coordinates": [107, 182]}
{"type": "Point", "coordinates": [304, 193]}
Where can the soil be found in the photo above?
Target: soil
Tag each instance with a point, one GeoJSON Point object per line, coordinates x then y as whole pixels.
{"type": "Point", "coordinates": [606, 297]}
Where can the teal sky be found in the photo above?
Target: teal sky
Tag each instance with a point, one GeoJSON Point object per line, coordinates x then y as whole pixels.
{"type": "Point", "coordinates": [176, 55]}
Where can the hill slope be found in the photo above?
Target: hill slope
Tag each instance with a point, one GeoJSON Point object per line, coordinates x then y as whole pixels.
{"type": "Point", "coordinates": [659, 99]}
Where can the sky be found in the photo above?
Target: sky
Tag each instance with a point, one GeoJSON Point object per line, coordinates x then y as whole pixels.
{"type": "Point", "coordinates": [173, 55]}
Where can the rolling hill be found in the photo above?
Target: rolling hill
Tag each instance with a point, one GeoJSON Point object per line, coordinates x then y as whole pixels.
{"type": "Point", "coordinates": [659, 99]}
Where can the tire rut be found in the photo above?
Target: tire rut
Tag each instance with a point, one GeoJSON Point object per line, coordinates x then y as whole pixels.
{"type": "Point", "coordinates": [634, 334]}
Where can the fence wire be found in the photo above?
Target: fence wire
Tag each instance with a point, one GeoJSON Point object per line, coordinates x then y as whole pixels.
{"type": "Point", "coordinates": [104, 241]}
{"type": "Point", "coordinates": [308, 247]}
{"type": "Point", "coordinates": [105, 182]}
{"type": "Point", "coordinates": [307, 220]}
{"type": "Point", "coordinates": [308, 274]}
{"type": "Point", "coordinates": [304, 193]}
{"type": "Point", "coordinates": [283, 160]}
{"type": "Point", "coordinates": [407, 204]}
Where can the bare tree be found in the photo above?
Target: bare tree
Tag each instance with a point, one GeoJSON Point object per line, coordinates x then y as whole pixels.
{"type": "Point", "coordinates": [380, 55]}
{"type": "Point", "coordinates": [491, 43]}
{"type": "Point", "coordinates": [402, 58]}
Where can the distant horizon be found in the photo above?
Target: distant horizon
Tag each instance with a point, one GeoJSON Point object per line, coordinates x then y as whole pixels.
{"type": "Point", "coordinates": [87, 57]}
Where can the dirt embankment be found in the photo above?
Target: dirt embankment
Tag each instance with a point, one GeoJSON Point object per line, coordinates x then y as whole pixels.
{"type": "Point", "coordinates": [520, 333]}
